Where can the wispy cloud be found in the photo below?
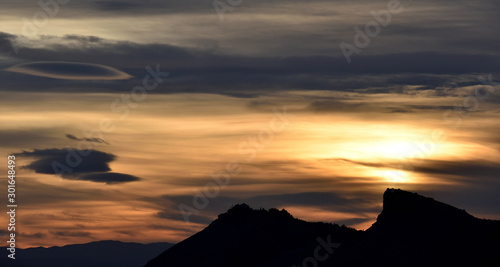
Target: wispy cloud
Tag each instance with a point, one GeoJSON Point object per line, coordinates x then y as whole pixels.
{"type": "Point", "coordinates": [95, 140]}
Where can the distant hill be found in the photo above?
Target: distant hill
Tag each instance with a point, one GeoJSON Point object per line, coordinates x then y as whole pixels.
{"type": "Point", "coordinates": [412, 230]}
{"type": "Point", "coordinates": [94, 254]}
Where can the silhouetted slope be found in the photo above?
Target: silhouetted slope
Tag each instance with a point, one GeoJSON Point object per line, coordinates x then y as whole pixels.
{"type": "Point", "coordinates": [95, 254]}
{"type": "Point", "coordinates": [246, 237]}
{"type": "Point", "coordinates": [413, 230]}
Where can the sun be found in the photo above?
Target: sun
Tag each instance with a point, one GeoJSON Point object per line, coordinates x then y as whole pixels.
{"type": "Point", "coordinates": [396, 176]}
{"type": "Point", "coordinates": [392, 149]}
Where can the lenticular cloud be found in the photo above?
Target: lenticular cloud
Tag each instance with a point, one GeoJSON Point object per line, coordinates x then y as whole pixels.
{"type": "Point", "coordinates": [70, 71]}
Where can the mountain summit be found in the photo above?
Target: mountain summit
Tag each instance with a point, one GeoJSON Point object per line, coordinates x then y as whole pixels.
{"type": "Point", "coordinates": [404, 209]}
{"type": "Point", "coordinates": [246, 237]}
{"type": "Point", "coordinates": [411, 230]}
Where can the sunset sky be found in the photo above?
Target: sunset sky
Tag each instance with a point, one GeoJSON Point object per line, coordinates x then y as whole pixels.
{"type": "Point", "coordinates": [262, 89]}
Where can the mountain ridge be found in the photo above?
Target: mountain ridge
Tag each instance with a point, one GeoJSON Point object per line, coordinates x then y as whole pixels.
{"type": "Point", "coordinates": [284, 234]}
{"type": "Point", "coordinates": [106, 253]}
{"type": "Point", "coordinates": [411, 230]}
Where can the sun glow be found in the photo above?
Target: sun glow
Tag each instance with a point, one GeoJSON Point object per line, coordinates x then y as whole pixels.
{"type": "Point", "coordinates": [382, 153]}
{"type": "Point", "coordinates": [392, 149]}
{"type": "Point", "coordinates": [396, 176]}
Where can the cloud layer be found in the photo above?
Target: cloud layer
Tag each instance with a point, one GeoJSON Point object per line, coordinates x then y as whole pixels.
{"type": "Point", "coordinates": [205, 71]}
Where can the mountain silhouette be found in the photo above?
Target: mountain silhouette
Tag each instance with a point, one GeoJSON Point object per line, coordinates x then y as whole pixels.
{"type": "Point", "coordinates": [246, 237]}
{"type": "Point", "coordinates": [412, 230]}
{"type": "Point", "coordinates": [95, 254]}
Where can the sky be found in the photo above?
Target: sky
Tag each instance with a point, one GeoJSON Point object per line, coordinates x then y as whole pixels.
{"type": "Point", "coordinates": [141, 122]}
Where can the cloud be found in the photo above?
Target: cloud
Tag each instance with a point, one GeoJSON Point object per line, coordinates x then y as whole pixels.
{"type": "Point", "coordinates": [473, 171]}
{"type": "Point", "coordinates": [33, 235]}
{"type": "Point", "coordinates": [262, 105]}
{"type": "Point", "coordinates": [337, 106]}
{"type": "Point", "coordinates": [123, 232]}
{"type": "Point", "coordinates": [206, 71]}
{"type": "Point", "coordinates": [113, 6]}
{"type": "Point", "coordinates": [72, 233]}
{"type": "Point", "coordinates": [4, 233]}
{"type": "Point", "coordinates": [328, 201]}
{"type": "Point", "coordinates": [96, 161]}
{"type": "Point", "coordinates": [74, 164]}
{"type": "Point", "coordinates": [108, 177]}
{"type": "Point", "coordinates": [21, 138]}
{"type": "Point", "coordinates": [95, 140]}
{"type": "Point", "coordinates": [419, 108]}
{"type": "Point", "coordinates": [70, 71]}
{"type": "Point", "coordinates": [36, 193]}
{"type": "Point", "coordinates": [431, 107]}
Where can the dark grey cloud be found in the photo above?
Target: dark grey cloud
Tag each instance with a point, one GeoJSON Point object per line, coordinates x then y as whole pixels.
{"type": "Point", "coordinates": [399, 110]}
{"type": "Point", "coordinates": [95, 140]}
{"type": "Point", "coordinates": [483, 171]}
{"type": "Point", "coordinates": [418, 108]}
{"type": "Point", "coordinates": [430, 107]}
{"type": "Point", "coordinates": [82, 39]}
{"type": "Point", "coordinates": [113, 6]}
{"type": "Point", "coordinates": [470, 171]}
{"type": "Point", "coordinates": [350, 106]}
{"type": "Point", "coordinates": [6, 43]}
{"type": "Point", "coordinates": [204, 71]}
{"type": "Point", "coordinates": [129, 233]}
{"type": "Point", "coordinates": [70, 71]}
{"type": "Point", "coordinates": [438, 26]}
{"type": "Point", "coordinates": [33, 235]}
{"type": "Point", "coordinates": [72, 233]}
{"type": "Point", "coordinates": [74, 164]}
{"type": "Point", "coordinates": [108, 177]}
{"type": "Point", "coordinates": [110, 8]}
{"type": "Point", "coordinates": [96, 161]}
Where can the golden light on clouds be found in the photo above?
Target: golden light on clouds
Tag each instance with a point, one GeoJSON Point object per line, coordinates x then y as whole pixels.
{"type": "Point", "coordinates": [174, 142]}
{"type": "Point", "coordinates": [145, 108]}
